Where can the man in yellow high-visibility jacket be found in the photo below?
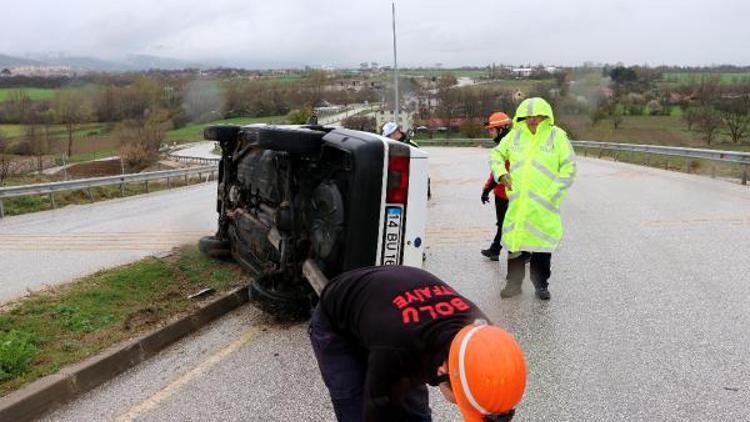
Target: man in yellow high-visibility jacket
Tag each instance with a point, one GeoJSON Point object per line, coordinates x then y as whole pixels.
{"type": "Point", "coordinates": [542, 169]}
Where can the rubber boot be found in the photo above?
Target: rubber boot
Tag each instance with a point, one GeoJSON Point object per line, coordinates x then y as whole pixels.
{"type": "Point", "coordinates": [516, 274]}
{"type": "Point", "coordinates": [540, 273]}
{"type": "Point", "coordinates": [493, 252]}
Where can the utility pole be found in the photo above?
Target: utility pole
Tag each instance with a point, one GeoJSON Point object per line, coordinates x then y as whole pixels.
{"type": "Point", "coordinates": [395, 64]}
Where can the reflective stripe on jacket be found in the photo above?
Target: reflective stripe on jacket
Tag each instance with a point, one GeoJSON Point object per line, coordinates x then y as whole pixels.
{"type": "Point", "coordinates": [542, 169]}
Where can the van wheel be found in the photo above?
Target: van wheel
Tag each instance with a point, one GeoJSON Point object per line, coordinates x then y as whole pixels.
{"type": "Point", "coordinates": [327, 221]}
{"type": "Point", "coordinates": [281, 298]}
{"type": "Point", "coordinates": [214, 247]}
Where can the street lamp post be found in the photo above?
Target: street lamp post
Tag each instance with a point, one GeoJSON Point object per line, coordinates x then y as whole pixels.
{"type": "Point", "coordinates": [395, 64]}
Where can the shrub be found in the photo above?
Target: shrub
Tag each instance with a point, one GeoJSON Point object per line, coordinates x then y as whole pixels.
{"type": "Point", "coordinates": [17, 350]}
{"type": "Point", "coordinates": [472, 128]}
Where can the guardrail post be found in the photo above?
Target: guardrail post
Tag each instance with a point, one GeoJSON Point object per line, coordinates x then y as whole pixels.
{"type": "Point", "coordinates": [186, 180]}
{"type": "Point", "coordinates": [713, 171]}
{"type": "Point", "coordinates": [2, 209]}
{"type": "Point", "coordinates": [91, 195]}
{"type": "Point", "coordinates": [52, 200]}
{"type": "Point", "coordinates": [145, 185]}
{"type": "Point", "coordinates": [122, 188]}
{"type": "Point", "coordinates": [744, 178]}
{"type": "Point", "coordinates": [616, 156]}
{"type": "Point", "coordinates": [169, 183]}
{"type": "Point", "coordinates": [666, 164]}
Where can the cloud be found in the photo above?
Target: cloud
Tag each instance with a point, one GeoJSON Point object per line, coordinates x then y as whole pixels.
{"type": "Point", "coordinates": [343, 32]}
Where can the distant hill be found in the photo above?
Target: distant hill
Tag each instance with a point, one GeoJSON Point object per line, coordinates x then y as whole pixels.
{"type": "Point", "coordinates": [131, 62]}
{"type": "Point", "coordinates": [136, 62]}
{"type": "Point", "coordinates": [10, 61]}
{"type": "Point", "coordinates": [144, 62]}
{"type": "Point", "coordinates": [83, 63]}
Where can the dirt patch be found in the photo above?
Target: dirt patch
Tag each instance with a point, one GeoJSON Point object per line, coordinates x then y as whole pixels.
{"type": "Point", "coordinates": [142, 317]}
{"type": "Point", "coordinates": [95, 169]}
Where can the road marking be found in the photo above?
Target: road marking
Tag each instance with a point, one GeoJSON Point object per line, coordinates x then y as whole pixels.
{"type": "Point", "coordinates": [97, 241]}
{"type": "Point", "coordinates": [734, 221]}
{"type": "Point", "coordinates": [168, 391]}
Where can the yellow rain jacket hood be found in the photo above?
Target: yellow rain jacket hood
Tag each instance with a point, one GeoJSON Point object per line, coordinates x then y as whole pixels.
{"type": "Point", "coordinates": [542, 169]}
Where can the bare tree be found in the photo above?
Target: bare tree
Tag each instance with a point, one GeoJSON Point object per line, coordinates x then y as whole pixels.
{"type": "Point", "coordinates": [37, 141]}
{"type": "Point", "coordinates": [690, 116]}
{"type": "Point", "coordinates": [449, 100]}
{"type": "Point", "coordinates": [316, 82]}
{"type": "Point", "coordinates": [617, 115]}
{"type": "Point", "coordinates": [71, 108]}
{"type": "Point", "coordinates": [707, 90]}
{"type": "Point", "coordinates": [735, 113]}
{"type": "Point", "coordinates": [710, 122]}
{"type": "Point", "coordinates": [364, 123]}
{"type": "Point", "coordinates": [6, 162]}
{"type": "Point", "coordinates": [472, 128]}
{"type": "Point", "coordinates": [140, 139]}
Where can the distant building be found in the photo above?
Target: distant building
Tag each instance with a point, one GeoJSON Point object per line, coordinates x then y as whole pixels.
{"type": "Point", "coordinates": [355, 85]}
{"type": "Point", "coordinates": [43, 71]}
{"type": "Point", "coordinates": [406, 118]}
{"type": "Point", "coordinates": [5, 72]}
{"type": "Point", "coordinates": [523, 72]}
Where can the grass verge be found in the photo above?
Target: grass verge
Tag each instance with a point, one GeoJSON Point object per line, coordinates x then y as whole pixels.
{"type": "Point", "coordinates": [64, 325]}
{"type": "Point", "coordinates": [680, 164]}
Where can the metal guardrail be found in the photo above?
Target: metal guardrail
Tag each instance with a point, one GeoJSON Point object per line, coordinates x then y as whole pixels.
{"type": "Point", "coordinates": [732, 157]}
{"type": "Point", "coordinates": [697, 153]}
{"type": "Point", "coordinates": [87, 184]}
{"type": "Point", "coordinates": [194, 160]}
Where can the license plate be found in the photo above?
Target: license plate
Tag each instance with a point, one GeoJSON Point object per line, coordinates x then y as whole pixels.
{"type": "Point", "coordinates": [391, 254]}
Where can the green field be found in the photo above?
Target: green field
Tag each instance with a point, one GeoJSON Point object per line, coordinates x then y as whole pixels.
{"type": "Point", "coordinates": [725, 78]}
{"type": "Point", "coordinates": [36, 94]}
{"type": "Point", "coordinates": [512, 84]}
{"type": "Point", "coordinates": [654, 130]}
{"type": "Point", "coordinates": [193, 133]}
{"type": "Point", "coordinates": [58, 131]}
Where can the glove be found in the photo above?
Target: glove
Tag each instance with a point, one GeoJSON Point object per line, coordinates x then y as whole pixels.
{"type": "Point", "coordinates": [485, 196]}
{"type": "Point", "coordinates": [505, 417]}
{"type": "Point", "coordinates": [505, 180]}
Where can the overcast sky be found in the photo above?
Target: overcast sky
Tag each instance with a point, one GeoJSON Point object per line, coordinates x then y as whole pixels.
{"type": "Point", "coordinates": [347, 32]}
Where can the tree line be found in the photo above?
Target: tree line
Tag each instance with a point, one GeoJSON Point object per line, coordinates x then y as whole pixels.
{"type": "Point", "coordinates": [138, 109]}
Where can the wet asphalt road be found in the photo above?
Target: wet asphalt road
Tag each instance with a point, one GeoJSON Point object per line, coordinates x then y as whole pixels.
{"type": "Point", "coordinates": [52, 247]}
{"type": "Point", "coordinates": [648, 318]}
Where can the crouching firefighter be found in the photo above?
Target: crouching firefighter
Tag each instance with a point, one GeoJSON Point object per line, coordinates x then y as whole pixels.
{"type": "Point", "coordinates": [381, 333]}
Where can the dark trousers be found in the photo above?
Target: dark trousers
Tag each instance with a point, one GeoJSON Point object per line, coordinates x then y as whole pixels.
{"type": "Point", "coordinates": [540, 267]}
{"type": "Point", "coordinates": [343, 366]}
{"type": "Point", "coordinates": [501, 206]}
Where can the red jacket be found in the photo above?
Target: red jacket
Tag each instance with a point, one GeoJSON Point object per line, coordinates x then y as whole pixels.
{"type": "Point", "coordinates": [497, 187]}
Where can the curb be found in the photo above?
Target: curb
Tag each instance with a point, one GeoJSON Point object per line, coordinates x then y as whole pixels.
{"type": "Point", "coordinates": [49, 392]}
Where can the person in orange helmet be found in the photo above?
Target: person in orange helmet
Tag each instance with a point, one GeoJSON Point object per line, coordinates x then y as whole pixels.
{"type": "Point", "coordinates": [380, 334]}
{"type": "Point", "coordinates": [498, 125]}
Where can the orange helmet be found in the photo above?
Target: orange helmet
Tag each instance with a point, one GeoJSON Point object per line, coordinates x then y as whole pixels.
{"type": "Point", "coordinates": [498, 119]}
{"type": "Point", "coordinates": [487, 371]}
